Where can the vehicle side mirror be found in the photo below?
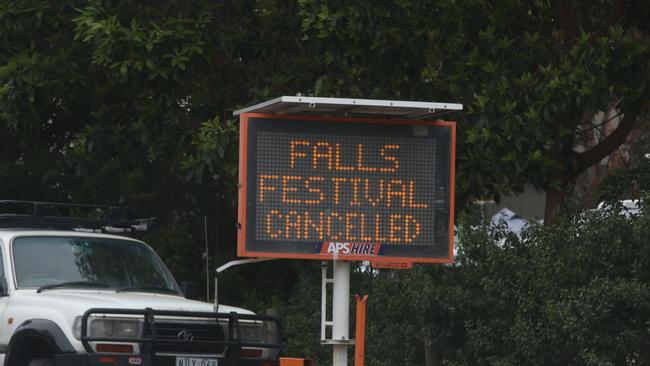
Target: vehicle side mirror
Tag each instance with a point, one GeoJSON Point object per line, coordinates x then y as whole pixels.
{"type": "Point", "coordinates": [190, 289]}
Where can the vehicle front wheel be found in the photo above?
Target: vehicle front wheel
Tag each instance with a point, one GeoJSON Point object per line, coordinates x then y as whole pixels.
{"type": "Point", "coordinates": [41, 362]}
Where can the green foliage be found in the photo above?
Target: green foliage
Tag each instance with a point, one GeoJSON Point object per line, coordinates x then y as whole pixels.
{"type": "Point", "coordinates": [626, 183]}
{"type": "Point", "coordinates": [212, 143]}
{"type": "Point", "coordinates": [301, 317]}
{"type": "Point", "coordinates": [129, 103]}
{"type": "Point", "coordinates": [123, 102]}
{"type": "Point", "coordinates": [401, 310]}
{"type": "Point", "coordinates": [572, 293]}
{"type": "Point", "coordinates": [530, 94]}
{"type": "Point", "coordinates": [530, 106]}
{"type": "Point", "coordinates": [370, 49]}
{"type": "Point", "coordinates": [107, 89]}
{"type": "Point", "coordinates": [416, 308]}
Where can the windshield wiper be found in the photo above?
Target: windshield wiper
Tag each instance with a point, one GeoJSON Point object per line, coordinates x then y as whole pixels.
{"type": "Point", "coordinates": [72, 284]}
{"type": "Point", "coordinates": [148, 289]}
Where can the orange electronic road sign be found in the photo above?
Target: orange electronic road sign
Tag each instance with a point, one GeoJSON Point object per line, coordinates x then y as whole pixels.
{"type": "Point", "coordinates": [346, 188]}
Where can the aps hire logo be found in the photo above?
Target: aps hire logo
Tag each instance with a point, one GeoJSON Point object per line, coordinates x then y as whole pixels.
{"type": "Point", "coordinates": [350, 248]}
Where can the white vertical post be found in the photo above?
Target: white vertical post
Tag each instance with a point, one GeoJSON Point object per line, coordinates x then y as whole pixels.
{"type": "Point", "coordinates": [341, 312]}
{"type": "Point", "coordinates": [323, 302]}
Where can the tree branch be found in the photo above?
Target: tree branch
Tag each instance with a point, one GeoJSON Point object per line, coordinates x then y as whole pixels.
{"type": "Point", "coordinates": [593, 126]}
{"type": "Point", "coordinates": [609, 144]}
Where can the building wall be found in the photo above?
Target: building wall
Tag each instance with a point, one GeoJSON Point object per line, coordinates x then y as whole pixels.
{"type": "Point", "coordinates": [529, 204]}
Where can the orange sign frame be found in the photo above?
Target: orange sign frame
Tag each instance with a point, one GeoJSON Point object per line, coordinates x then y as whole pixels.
{"type": "Point", "coordinates": [242, 249]}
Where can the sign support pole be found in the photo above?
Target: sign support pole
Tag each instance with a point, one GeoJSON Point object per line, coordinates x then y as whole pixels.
{"type": "Point", "coordinates": [341, 312]}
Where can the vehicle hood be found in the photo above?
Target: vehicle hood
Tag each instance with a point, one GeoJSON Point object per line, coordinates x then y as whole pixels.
{"type": "Point", "coordinates": [78, 301]}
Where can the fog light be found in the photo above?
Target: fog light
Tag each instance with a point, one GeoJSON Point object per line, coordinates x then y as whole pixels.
{"type": "Point", "coordinates": [250, 353]}
{"type": "Point", "coordinates": [114, 348]}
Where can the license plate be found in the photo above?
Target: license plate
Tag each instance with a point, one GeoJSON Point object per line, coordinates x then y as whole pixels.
{"type": "Point", "coordinates": [196, 361]}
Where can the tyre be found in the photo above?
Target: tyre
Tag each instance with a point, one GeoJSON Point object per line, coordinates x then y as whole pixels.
{"type": "Point", "coordinates": [41, 362]}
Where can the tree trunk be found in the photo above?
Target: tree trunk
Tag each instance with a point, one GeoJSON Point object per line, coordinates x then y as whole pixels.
{"type": "Point", "coordinates": [556, 197]}
{"type": "Point", "coordinates": [580, 162]}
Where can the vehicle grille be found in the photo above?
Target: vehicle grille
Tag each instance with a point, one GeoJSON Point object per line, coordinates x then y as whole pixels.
{"type": "Point", "coordinates": [173, 337]}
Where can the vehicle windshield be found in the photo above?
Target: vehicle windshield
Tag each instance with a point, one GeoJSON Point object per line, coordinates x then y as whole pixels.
{"type": "Point", "coordinates": [45, 261]}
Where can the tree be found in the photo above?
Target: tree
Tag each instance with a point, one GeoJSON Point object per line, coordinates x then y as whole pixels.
{"type": "Point", "coordinates": [110, 101]}
{"type": "Point", "coordinates": [533, 76]}
{"type": "Point", "coordinates": [572, 293]}
{"type": "Point", "coordinates": [117, 102]}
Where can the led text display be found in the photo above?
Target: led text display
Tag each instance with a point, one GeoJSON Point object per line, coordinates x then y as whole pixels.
{"type": "Point", "coordinates": [310, 183]}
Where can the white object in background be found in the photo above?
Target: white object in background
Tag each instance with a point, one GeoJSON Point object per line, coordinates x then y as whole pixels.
{"type": "Point", "coordinates": [511, 220]}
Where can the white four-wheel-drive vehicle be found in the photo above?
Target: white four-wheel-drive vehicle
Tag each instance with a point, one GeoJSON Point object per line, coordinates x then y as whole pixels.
{"type": "Point", "coordinates": [84, 298]}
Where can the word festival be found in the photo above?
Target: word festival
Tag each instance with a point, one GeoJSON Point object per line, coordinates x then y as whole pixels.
{"type": "Point", "coordinates": [330, 191]}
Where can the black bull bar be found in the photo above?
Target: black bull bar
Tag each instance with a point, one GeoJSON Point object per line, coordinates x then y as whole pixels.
{"type": "Point", "coordinates": [150, 341]}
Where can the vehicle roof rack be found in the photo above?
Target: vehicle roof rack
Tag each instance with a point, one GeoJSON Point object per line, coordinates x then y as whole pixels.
{"type": "Point", "coordinates": [72, 216]}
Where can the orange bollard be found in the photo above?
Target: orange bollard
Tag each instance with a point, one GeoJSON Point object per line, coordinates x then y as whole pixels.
{"type": "Point", "coordinates": [360, 333]}
{"type": "Point", "coordinates": [288, 361]}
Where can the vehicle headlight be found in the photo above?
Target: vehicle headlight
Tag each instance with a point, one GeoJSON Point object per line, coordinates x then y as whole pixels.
{"type": "Point", "coordinates": [259, 332]}
{"type": "Point", "coordinates": [109, 328]}
{"type": "Point", "coordinates": [252, 332]}
{"type": "Point", "coordinates": [117, 328]}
